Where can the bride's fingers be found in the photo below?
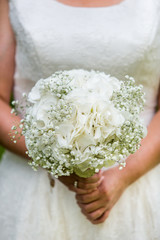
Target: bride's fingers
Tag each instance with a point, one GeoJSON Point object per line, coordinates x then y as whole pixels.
{"type": "Point", "coordinates": [96, 214]}
{"type": "Point", "coordinates": [102, 218]}
{"type": "Point", "coordinates": [96, 177]}
{"type": "Point", "coordinates": [92, 207]}
{"type": "Point", "coordinates": [68, 181]}
{"type": "Point", "coordinates": [87, 186]}
{"type": "Point", "coordinates": [72, 188]}
{"type": "Point", "coordinates": [87, 198]}
{"type": "Point", "coordinates": [80, 191]}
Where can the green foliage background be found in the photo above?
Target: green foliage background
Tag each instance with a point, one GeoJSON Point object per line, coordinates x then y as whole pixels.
{"type": "Point", "coordinates": [1, 151]}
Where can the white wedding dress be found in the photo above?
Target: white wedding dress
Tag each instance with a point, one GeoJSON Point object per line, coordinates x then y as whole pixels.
{"type": "Point", "coordinates": [121, 39]}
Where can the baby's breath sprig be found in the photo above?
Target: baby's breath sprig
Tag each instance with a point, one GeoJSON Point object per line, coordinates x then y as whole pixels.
{"type": "Point", "coordinates": [130, 98]}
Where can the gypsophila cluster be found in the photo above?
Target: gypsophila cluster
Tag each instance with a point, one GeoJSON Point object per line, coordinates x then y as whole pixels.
{"type": "Point", "coordinates": [79, 121]}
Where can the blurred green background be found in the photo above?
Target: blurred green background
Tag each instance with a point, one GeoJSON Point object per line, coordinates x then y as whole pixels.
{"type": "Point", "coordinates": [1, 151]}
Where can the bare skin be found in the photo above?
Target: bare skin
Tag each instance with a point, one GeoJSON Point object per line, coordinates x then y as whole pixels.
{"type": "Point", "coordinates": [90, 3]}
{"type": "Point", "coordinates": [96, 195]}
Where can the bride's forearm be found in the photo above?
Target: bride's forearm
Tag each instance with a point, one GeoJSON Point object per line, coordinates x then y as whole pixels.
{"type": "Point", "coordinates": [7, 120]}
{"type": "Point", "coordinates": [147, 157]}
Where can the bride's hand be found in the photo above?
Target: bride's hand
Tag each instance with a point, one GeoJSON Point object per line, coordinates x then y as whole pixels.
{"type": "Point", "coordinates": [68, 181]}
{"type": "Point", "coordinates": [85, 185]}
{"type": "Point", "coordinates": [97, 204]}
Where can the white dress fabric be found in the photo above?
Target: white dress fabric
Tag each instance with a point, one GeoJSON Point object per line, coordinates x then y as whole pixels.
{"type": "Point", "coordinates": [119, 40]}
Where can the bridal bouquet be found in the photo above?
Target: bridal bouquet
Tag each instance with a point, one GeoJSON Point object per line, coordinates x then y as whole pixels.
{"type": "Point", "coordinates": [79, 121]}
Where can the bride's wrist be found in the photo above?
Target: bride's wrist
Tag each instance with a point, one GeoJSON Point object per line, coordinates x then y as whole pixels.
{"type": "Point", "coordinates": [121, 175]}
{"type": "Point", "coordinates": [129, 174]}
{"type": "Point", "coordinates": [134, 169]}
{"type": "Point", "coordinates": [139, 163]}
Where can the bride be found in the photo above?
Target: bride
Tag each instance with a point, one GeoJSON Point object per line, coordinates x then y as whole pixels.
{"type": "Point", "coordinates": [118, 37]}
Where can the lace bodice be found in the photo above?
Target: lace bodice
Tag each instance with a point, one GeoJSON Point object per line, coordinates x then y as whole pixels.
{"type": "Point", "coordinates": [119, 40]}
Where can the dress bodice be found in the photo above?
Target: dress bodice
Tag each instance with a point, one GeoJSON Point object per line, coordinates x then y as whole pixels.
{"type": "Point", "coordinates": [120, 40]}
